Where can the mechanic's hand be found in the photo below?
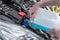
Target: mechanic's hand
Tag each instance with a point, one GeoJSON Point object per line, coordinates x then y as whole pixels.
{"type": "Point", "coordinates": [55, 32]}
{"type": "Point", "coordinates": [33, 11]}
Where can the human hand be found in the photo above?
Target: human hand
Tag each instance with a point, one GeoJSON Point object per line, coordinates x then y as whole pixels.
{"type": "Point", "coordinates": [54, 32]}
{"type": "Point", "coordinates": [33, 11]}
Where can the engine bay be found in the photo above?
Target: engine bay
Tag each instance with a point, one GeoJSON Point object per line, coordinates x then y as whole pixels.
{"type": "Point", "coordinates": [16, 11]}
{"type": "Point", "coordinates": [11, 8]}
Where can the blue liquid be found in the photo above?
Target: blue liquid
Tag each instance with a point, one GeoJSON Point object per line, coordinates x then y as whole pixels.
{"type": "Point", "coordinates": [40, 27]}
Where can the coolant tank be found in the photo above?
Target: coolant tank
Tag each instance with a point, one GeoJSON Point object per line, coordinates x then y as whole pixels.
{"type": "Point", "coordinates": [46, 20]}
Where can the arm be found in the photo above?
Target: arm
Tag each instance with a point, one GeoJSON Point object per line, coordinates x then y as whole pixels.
{"type": "Point", "coordinates": [42, 3]}
{"type": "Point", "coordinates": [48, 3]}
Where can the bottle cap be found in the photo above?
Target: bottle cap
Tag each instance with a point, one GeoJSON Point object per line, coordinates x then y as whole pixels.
{"type": "Point", "coordinates": [22, 14]}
